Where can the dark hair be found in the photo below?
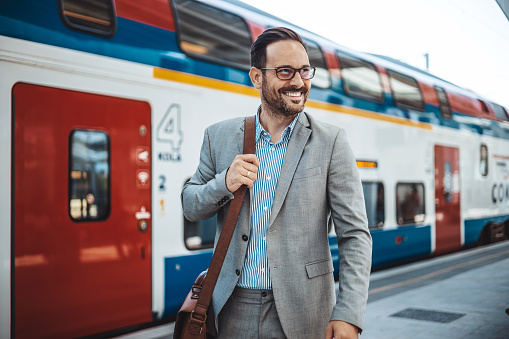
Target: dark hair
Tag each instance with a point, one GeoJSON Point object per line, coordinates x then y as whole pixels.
{"type": "Point", "coordinates": [269, 36]}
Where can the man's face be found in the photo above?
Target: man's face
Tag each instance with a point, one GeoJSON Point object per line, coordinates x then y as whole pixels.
{"type": "Point", "coordinates": [285, 97]}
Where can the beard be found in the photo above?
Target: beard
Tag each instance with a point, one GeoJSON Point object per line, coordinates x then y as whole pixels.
{"type": "Point", "coordinates": [276, 102]}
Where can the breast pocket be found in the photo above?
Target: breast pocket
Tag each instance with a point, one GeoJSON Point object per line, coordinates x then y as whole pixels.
{"type": "Point", "coordinates": [310, 172]}
{"type": "Point", "coordinates": [317, 268]}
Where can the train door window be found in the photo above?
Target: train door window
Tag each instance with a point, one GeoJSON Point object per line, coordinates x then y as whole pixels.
{"type": "Point", "coordinates": [322, 77]}
{"type": "Point", "coordinates": [445, 108]}
{"type": "Point", "coordinates": [500, 112]}
{"type": "Point", "coordinates": [360, 78]}
{"type": "Point", "coordinates": [89, 175]}
{"type": "Point", "coordinates": [91, 16]}
{"type": "Point", "coordinates": [410, 203]}
{"type": "Point", "coordinates": [375, 203]}
{"type": "Point", "coordinates": [483, 164]}
{"type": "Point", "coordinates": [213, 34]}
{"type": "Point", "coordinates": [406, 91]}
{"type": "Point", "coordinates": [447, 180]}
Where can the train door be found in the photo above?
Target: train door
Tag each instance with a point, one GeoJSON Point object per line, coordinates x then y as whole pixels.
{"type": "Point", "coordinates": [447, 199]}
{"type": "Point", "coordinates": [82, 203]}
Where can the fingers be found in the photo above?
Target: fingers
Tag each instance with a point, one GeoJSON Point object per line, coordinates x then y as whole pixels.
{"type": "Point", "coordinates": [242, 171]}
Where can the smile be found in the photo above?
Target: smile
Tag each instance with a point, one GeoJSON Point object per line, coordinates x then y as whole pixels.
{"type": "Point", "coordinates": [293, 94]}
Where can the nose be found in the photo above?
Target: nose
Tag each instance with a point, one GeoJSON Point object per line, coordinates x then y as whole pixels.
{"type": "Point", "coordinates": [297, 80]}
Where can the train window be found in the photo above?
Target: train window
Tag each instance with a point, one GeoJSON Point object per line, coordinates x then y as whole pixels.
{"type": "Point", "coordinates": [375, 203]}
{"type": "Point", "coordinates": [213, 34]}
{"type": "Point", "coordinates": [316, 59]}
{"type": "Point", "coordinates": [445, 108]}
{"type": "Point", "coordinates": [410, 203]}
{"type": "Point", "coordinates": [201, 234]}
{"type": "Point", "coordinates": [484, 107]}
{"type": "Point", "coordinates": [89, 175]}
{"type": "Point", "coordinates": [500, 112]}
{"type": "Point", "coordinates": [406, 91]}
{"type": "Point", "coordinates": [91, 16]}
{"type": "Point", "coordinates": [360, 78]}
{"type": "Point", "coordinates": [483, 164]}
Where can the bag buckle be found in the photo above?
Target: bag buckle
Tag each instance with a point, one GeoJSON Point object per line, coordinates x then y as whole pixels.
{"type": "Point", "coordinates": [202, 322]}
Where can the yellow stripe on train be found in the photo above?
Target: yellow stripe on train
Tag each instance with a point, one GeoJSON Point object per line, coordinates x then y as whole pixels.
{"type": "Point", "coordinates": [165, 74]}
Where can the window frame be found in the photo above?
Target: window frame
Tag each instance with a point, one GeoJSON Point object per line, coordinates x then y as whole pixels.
{"type": "Point", "coordinates": [360, 95]}
{"type": "Point", "coordinates": [443, 103]}
{"type": "Point", "coordinates": [379, 183]}
{"type": "Point", "coordinates": [70, 169]}
{"type": "Point", "coordinates": [202, 57]}
{"type": "Point", "coordinates": [316, 46]}
{"type": "Point", "coordinates": [500, 110]}
{"type": "Point", "coordinates": [90, 30]}
{"type": "Point", "coordinates": [186, 223]}
{"type": "Point", "coordinates": [399, 104]}
{"type": "Point", "coordinates": [484, 173]}
{"type": "Point", "coordinates": [404, 224]}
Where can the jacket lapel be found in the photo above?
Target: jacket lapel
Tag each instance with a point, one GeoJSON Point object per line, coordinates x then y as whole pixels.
{"type": "Point", "coordinates": [240, 138]}
{"type": "Point", "coordinates": [298, 140]}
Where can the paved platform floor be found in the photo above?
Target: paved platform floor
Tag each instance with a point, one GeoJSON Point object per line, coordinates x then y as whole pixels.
{"type": "Point", "coordinates": [459, 296]}
{"type": "Point", "coordinates": [471, 304]}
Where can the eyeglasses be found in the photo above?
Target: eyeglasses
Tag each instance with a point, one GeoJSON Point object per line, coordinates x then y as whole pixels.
{"type": "Point", "coordinates": [287, 73]}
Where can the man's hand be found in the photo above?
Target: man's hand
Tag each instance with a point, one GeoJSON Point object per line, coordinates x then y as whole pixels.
{"type": "Point", "coordinates": [338, 329]}
{"type": "Point", "coordinates": [242, 172]}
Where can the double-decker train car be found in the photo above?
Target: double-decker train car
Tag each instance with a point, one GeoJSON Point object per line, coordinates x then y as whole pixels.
{"type": "Point", "coordinates": [103, 105]}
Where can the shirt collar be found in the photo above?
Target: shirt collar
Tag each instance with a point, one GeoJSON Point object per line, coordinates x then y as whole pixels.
{"type": "Point", "coordinates": [286, 133]}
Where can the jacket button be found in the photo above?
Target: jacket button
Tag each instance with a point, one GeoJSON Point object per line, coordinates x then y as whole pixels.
{"type": "Point", "coordinates": [244, 237]}
{"type": "Point", "coordinates": [237, 272]}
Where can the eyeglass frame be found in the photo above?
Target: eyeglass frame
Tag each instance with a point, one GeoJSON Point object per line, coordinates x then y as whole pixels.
{"type": "Point", "coordinates": [295, 71]}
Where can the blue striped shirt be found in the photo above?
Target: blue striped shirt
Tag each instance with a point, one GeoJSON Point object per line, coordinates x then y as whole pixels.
{"type": "Point", "coordinates": [255, 272]}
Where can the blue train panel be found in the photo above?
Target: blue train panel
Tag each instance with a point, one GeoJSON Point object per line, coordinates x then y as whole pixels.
{"type": "Point", "coordinates": [390, 246]}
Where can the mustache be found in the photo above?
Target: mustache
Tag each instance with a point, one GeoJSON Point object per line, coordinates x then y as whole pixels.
{"type": "Point", "coordinates": [293, 89]}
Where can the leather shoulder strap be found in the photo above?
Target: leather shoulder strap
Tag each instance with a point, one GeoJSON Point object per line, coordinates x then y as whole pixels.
{"type": "Point", "coordinates": [229, 226]}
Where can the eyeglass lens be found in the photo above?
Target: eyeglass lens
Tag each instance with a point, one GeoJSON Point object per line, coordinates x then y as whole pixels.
{"type": "Point", "coordinates": [287, 73]}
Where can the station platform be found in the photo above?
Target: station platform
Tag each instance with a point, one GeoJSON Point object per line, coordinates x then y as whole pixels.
{"type": "Point", "coordinates": [460, 295]}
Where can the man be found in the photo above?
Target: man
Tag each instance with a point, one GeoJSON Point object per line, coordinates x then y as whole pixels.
{"type": "Point", "coordinates": [277, 278]}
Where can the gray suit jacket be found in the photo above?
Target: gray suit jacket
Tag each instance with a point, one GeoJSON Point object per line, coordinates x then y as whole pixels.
{"type": "Point", "coordinates": [319, 175]}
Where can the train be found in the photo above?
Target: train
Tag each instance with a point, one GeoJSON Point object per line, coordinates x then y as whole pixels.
{"type": "Point", "coordinates": [103, 106]}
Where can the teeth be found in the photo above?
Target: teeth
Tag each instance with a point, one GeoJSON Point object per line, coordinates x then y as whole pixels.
{"type": "Point", "coordinates": [293, 94]}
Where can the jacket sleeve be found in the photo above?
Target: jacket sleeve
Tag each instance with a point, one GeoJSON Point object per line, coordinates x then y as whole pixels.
{"type": "Point", "coordinates": [348, 211]}
{"type": "Point", "coordinates": [206, 192]}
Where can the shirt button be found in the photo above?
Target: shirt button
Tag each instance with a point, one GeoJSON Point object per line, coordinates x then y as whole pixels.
{"type": "Point", "coordinates": [264, 238]}
{"type": "Point", "coordinates": [263, 270]}
{"type": "Point", "coordinates": [237, 272]}
{"type": "Point", "coordinates": [244, 237]}
{"type": "Point", "coordinates": [265, 208]}
{"type": "Point", "coordinates": [268, 177]}
{"type": "Point", "coordinates": [272, 148]}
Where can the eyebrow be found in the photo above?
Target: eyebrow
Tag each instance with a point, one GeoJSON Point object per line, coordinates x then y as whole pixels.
{"type": "Point", "coordinates": [289, 66]}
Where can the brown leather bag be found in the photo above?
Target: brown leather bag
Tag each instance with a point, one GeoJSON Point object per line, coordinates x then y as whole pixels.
{"type": "Point", "coordinates": [192, 316]}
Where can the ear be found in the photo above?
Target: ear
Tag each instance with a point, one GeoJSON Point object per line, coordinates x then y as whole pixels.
{"type": "Point", "coordinates": [256, 77]}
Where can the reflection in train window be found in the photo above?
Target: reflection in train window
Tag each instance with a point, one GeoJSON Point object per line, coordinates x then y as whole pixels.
{"type": "Point", "coordinates": [445, 108]}
{"type": "Point", "coordinates": [89, 175]}
{"type": "Point", "coordinates": [374, 200]}
{"type": "Point", "coordinates": [212, 33]}
{"type": "Point", "coordinates": [316, 59]}
{"type": "Point", "coordinates": [483, 164]}
{"type": "Point", "coordinates": [410, 203]}
{"type": "Point", "coordinates": [92, 16]}
{"type": "Point", "coordinates": [201, 234]}
{"type": "Point", "coordinates": [406, 91]}
{"type": "Point", "coordinates": [360, 78]}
